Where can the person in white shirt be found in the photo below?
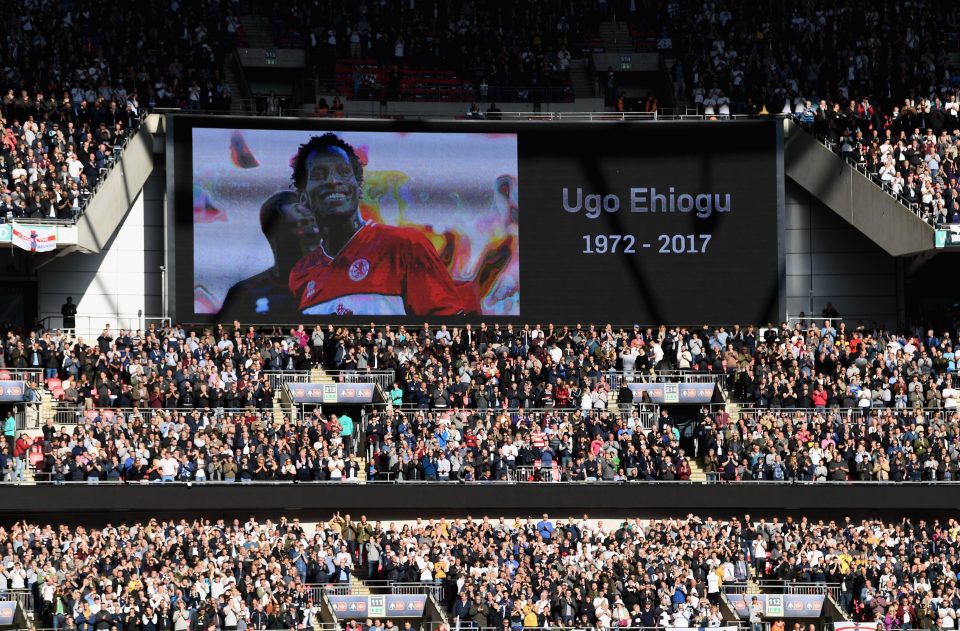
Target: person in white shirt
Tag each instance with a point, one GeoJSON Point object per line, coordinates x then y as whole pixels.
{"type": "Point", "coordinates": [713, 586]}
{"type": "Point", "coordinates": [336, 467]}
{"type": "Point", "coordinates": [723, 105]}
{"type": "Point", "coordinates": [629, 358]}
{"type": "Point", "coordinates": [168, 467]}
{"type": "Point", "coordinates": [443, 467]}
{"type": "Point", "coordinates": [17, 576]}
{"type": "Point", "coordinates": [949, 396]}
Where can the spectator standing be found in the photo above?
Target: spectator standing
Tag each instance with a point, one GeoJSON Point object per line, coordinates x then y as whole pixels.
{"type": "Point", "coordinates": [69, 313]}
{"type": "Point", "coordinates": [756, 615]}
{"type": "Point", "coordinates": [10, 429]}
{"type": "Point", "coordinates": [20, 451]}
{"type": "Point", "coordinates": [346, 433]}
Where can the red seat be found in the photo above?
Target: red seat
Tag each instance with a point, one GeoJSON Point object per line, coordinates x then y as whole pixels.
{"type": "Point", "coordinates": [4, 375]}
{"type": "Point", "coordinates": [35, 456]}
{"type": "Point", "coordinates": [58, 393]}
{"type": "Point", "coordinates": [54, 382]}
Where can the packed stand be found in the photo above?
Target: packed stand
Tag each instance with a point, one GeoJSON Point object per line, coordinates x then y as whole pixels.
{"type": "Point", "coordinates": [539, 446]}
{"type": "Point", "coordinates": [823, 364]}
{"type": "Point", "coordinates": [503, 403]}
{"type": "Point", "coordinates": [911, 152]}
{"type": "Point", "coordinates": [499, 573]}
{"type": "Point", "coordinates": [669, 573]}
{"type": "Point", "coordinates": [180, 575]}
{"type": "Point", "coordinates": [219, 368]}
{"type": "Point", "coordinates": [829, 364]}
{"type": "Point", "coordinates": [495, 402]}
{"type": "Point", "coordinates": [170, 405]}
{"type": "Point", "coordinates": [877, 445]}
{"type": "Point", "coordinates": [397, 51]}
{"type": "Point", "coordinates": [888, 103]}
{"type": "Point", "coordinates": [177, 446]}
{"type": "Point", "coordinates": [732, 59]}
{"type": "Point", "coordinates": [76, 80]}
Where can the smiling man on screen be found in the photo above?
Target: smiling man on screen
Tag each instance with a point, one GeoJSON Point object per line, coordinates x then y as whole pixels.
{"type": "Point", "coordinates": [361, 268]}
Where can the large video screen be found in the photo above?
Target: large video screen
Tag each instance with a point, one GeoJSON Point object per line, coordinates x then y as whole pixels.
{"type": "Point", "coordinates": [288, 221]}
{"type": "Point", "coordinates": [356, 223]}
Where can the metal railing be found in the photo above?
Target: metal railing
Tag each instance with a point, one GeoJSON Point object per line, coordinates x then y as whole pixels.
{"type": "Point", "coordinates": [804, 589]}
{"type": "Point", "coordinates": [736, 588]}
{"type": "Point", "coordinates": [23, 597]}
{"type": "Point", "coordinates": [674, 376]}
{"type": "Point", "coordinates": [89, 325]}
{"type": "Point", "coordinates": [383, 378]}
{"type": "Point", "coordinates": [280, 378]}
{"type": "Point", "coordinates": [318, 590]}
{"type": "Point", "coordinates": [751, 415]}
{"type": "Point", "coordinates": [27, 416]}
{"type": "Point", "coordinates": [646, 412]}
{"type": "Point", "coordinates": [42, 478]}
{"type": "Point", "coordinates": [395, 109]}
{"type": "Point", "coordinates": [872, 176]}
{"type": "Point", "coordinates": [791, 587]}
{"type": "Point", "coordinates": [69, 414]}
{"type": "Point", "coordinates": [21, 374]}
{"type": "Point", "coordinates": [376, 587]}
{"type": "Point", "coordinates": [437, 590]}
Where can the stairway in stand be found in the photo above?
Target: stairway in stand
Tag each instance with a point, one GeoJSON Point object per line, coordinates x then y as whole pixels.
{"type": "Point", "coordinates": [319, 375]}
{"type": "Point", "coordinates": [616, 37]}
{"type": "Point", "coordinates": [584, 87]}
{"type": "Point", "coordinates": [696, 471]}
{"type": "Point", "coordinates": [357, 585]}
{"type": "Point", "coordinates": [237, 103]}
{"type": "Point", "coordinates": [257, 32]}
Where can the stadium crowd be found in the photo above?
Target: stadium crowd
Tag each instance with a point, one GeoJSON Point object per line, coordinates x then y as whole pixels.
{"type": "Point", "coordinates": [832, 444]}
{"type": "Point", "coordinates": [787, 57]}
{"type": "Point", "coordinates": [498, 573]}
{"type": "Point", "coordinates": [527, 45]}
{"type": "Point", "coordinates": [76, 80]}
{"type": "Point", "coordinates": [912, 152]}
{"type": "Point", "coordinates": [492, 403]}
{"type": "Point", "coordinates": [889, 104]}
{"type": "Point", "coordinates": [823, 364]}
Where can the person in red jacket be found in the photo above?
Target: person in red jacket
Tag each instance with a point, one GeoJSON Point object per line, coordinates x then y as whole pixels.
{"type": "Point", "coordinates": [20, 450]}
{"type": "Point", "coordinates": [361, 267]}
{"type": "Point", "coordinates": [819, 396]}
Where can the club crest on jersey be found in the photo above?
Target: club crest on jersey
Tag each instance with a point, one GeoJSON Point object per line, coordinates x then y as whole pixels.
{"type": "Point", "coordinates": [359, 270]}
{"type": "Point", "coordinates": [311, 288]}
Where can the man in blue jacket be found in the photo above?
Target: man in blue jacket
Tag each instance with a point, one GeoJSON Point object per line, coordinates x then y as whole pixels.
{"type": "Point", "coordinates": [545, 527]}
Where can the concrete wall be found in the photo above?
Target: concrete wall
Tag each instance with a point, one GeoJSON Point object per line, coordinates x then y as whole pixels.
{"type": "Point", "coordinates": [97, 225]}
{"type": "Point", "coordinates": [84, 503]}
{"type": "Point", "coordinates": [123, 279]}
{"type": "Point", "coordinates": [852, 196]}
{"type": "Point", "coordinates": [837, 263]}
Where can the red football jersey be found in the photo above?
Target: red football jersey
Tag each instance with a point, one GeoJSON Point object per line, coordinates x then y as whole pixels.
{"type": "Point", "coordinates": [383, 270]}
